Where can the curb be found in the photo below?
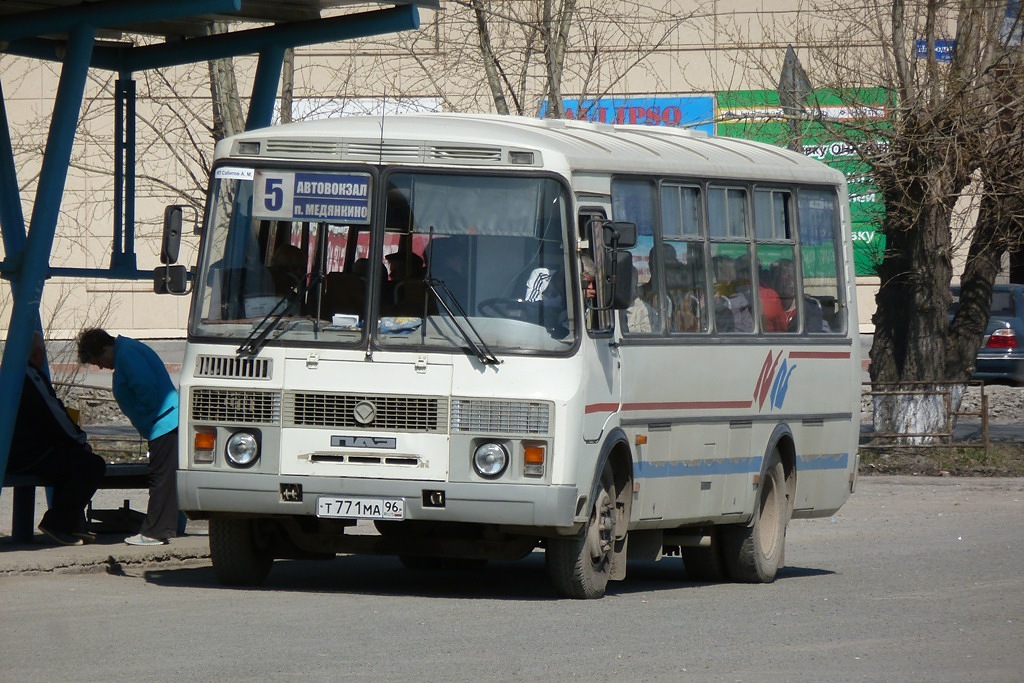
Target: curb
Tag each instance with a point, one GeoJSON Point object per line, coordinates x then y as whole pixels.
{"type": "Point", "coordinates": [108, 555]}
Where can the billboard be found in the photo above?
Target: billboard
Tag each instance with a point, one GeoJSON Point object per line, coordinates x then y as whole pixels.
{"type": "Point", "coordinates": [688, 111]}
{"type": "Point", "coordinates": [757, 115]}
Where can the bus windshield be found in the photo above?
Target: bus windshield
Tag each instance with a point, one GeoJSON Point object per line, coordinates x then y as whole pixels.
{"type": "Point", "coordinates": [411, 259]}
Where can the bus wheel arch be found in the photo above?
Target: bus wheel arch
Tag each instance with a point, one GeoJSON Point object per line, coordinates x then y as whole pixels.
{"type": "Point", "coordinates": [755, 551]}
{"type": "Point", "coordinates": [581, 565]}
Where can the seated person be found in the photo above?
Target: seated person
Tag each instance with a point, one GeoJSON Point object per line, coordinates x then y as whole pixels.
{"type": "Point", "coordinates": [406, 288]}
{"type": "Point", "coordinates": [773, 315]}
{"type": "Point", "coordinates": [287, 269]}
{"type": "Point", "coordinates": [49, 445]}
{"type": "Point", "coordinates": [639, 317]}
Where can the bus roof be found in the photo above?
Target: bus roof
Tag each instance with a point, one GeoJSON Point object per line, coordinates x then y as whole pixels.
{"type": "Point", "coordinates": [489, 140]}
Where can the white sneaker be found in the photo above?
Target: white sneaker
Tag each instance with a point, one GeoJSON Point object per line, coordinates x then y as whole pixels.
{"type": "Point", "coordinates": [139, 539]}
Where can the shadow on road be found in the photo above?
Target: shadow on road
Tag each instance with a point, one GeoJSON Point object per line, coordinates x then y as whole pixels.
{"type": "Point", "coordinates": [525, 579]}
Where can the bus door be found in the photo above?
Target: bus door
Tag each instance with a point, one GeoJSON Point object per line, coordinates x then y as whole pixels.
{"type": "Point", "coordinates": [602, 374]}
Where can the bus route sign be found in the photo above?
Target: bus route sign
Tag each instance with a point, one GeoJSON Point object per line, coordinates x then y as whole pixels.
{"type": "Point", "coordinates": [305, 196]}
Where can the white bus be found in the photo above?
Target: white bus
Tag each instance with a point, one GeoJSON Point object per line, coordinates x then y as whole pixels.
{"type": "Point", "coordinates": [394, 347]}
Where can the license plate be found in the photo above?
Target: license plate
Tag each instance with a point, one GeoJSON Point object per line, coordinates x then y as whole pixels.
{"type": "Point", "coordinates": [360, 508]}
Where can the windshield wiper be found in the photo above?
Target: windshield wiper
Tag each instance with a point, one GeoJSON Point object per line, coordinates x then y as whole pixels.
{"type": "Point", "coordinates": [257, 339]}
{"type": "Point", "coordinates": [479, 347]}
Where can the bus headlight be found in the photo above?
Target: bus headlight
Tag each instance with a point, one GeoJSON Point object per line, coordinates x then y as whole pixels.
{"type": "Point", "coordinates": [242, 449]}
{"type": "Point", "coordinates": [490, 460]}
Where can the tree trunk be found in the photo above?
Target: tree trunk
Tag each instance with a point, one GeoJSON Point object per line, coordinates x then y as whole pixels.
{"type": "Point", "coordinates": [494, 79]}
{"type": "Point", "coordinates": [556, 25]}
{"type": "Point", "coordinates": [287, 85]}
{"type": "Point", "coordinates": [909, 348]}
{"type": "Point", "coordinates": [227, 106]}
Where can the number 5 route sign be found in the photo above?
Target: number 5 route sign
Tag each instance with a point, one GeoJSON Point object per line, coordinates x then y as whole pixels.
{"type": "Point", "coordinates": [304, 196]}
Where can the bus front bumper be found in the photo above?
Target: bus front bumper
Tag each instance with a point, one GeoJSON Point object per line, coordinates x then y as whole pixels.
{"type": "Point", "coordinates": [209, 492]}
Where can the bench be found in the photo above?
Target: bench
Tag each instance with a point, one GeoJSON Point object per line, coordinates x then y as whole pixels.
{"type": "Point", "coordinates": [120, 476]}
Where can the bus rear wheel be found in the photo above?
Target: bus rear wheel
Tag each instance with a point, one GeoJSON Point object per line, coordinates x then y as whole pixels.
{"type": "Point", "coordinates": [753, 553]}
{"type": "Point", "coordinates": [580, 565]}
{"type": "Point", "coordinates": [237, 556]}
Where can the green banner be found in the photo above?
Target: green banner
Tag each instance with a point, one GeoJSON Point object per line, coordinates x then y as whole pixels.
{"type": "Point", "coordinates": [839, 120]}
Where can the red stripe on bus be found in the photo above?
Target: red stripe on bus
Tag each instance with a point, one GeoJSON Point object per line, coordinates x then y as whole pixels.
{"type": "Point", "coordinates": [687, 405]}
{"type": "Point", "coordinates": [601, 408]}
{"type": "Point", "coordinates": [819, 354]}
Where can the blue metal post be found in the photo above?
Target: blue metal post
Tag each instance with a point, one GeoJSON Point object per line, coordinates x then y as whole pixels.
{"type": "Point", "coordinates": [264, 87]}
{"type": "Point", "coordinates": [12, 220]}
{"type": "Point", "coordinates": [122, 255]}
{"type": "Point", "coordinates": [28, 279]}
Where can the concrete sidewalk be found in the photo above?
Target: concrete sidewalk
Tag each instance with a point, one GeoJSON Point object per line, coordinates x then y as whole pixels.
{"type": "Point", "coordinates": [108, 554]}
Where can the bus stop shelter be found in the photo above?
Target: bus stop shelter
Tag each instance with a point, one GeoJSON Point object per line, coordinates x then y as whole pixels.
{"type": "Point", "coordinates": [83, 35]}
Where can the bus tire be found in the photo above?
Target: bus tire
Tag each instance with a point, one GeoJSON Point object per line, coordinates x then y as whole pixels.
{"type": "Point", "coordinates": [237, 558]}
{"type": "Point", "coordinates": [580, 565]}
{"type": "Point", "coordinates": [753, 552]}
{"type": "Point", "coordinates": [705, 565]}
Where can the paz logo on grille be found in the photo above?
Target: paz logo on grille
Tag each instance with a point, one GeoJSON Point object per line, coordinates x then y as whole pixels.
{"type": "Point", "coordinates": [364, 412]}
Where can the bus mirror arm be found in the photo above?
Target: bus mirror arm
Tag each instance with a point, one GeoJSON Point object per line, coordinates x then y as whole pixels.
{"type": "Point", "coordinates": [621, 280]}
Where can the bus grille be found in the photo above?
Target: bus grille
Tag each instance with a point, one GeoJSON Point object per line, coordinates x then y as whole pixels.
{"type": "Point", "coordinates": [231, 405]}
{"type": "Point", "coordinates": [500, 417]}
{"type": "Point", "coordinates": [396, 413]}
{"type": "Point", "coordinates": [232, 367]}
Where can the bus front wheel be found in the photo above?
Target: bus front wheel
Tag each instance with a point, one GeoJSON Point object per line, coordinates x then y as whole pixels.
{"type": "Point", "coordinates": [580, 565]}
{"type": "Point", "coordinates": [753, 552]}
{"type": "Point", "coordinates": [238, 558]}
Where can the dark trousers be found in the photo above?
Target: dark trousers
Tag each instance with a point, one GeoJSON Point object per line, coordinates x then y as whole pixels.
{"type": "Point", "coordinates": [74, 472]}
{"type": "Point", "coordinates": [162, 511]}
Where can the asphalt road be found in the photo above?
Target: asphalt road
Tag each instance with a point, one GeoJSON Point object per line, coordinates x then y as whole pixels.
{"type": "Point", "coordinates": [914, 580]}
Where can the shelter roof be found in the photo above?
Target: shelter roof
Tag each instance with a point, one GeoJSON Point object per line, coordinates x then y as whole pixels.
{"type": "Point", "coordinates": [50, 15]}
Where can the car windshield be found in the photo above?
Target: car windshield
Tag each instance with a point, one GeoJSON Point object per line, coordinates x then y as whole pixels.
{"type": "Point", "coordinates": [447, 261]}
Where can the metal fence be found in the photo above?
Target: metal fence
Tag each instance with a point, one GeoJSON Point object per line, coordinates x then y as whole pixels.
{"type": "Point", "coordinates": [943, 436]}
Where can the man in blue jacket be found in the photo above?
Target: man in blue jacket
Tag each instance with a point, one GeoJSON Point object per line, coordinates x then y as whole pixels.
{"type": "Point", "coordinates": [146, 395]}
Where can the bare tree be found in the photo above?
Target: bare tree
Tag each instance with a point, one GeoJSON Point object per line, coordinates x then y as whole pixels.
{"type": "Point", "coordinates": [953, 133]}
{"type": "Point", "coordinates": [519, 56]}
{"type": "Point", "coordinates": [952, 138]}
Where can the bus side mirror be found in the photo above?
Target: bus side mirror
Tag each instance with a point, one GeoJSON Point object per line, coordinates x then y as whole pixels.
{"type": "Point", "coordinates": [174, 219]}
{"type": "Point", "coordinates": [170, 280]}
{"type": "Point", "coordinates": [171, 241]}
{"type": "Point", "coordinates": [620, 235]}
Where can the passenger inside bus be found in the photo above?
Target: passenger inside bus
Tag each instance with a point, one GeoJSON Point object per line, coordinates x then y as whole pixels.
{"type": "Point", "coordinates": [732, 294]}
{"type": "Point", "coordinates": [407, 287]}
{"type": "Point", "coordinates": [773, 316]}
{"type": "Point", "coordinates": [287, 269]}
{"type": "Point", "coordinates": [640, 316]}
{"type": "Point", "coordinates": [784, 283]}
{"type": "Point", "coordinates": [687, 299]}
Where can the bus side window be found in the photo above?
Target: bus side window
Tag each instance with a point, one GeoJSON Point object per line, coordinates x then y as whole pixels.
{"type": "Point", "coordinates": [818, 221]}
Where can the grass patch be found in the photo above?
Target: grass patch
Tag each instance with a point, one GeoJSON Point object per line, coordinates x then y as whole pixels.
{"type": "Point", "coordinates": [969, 460]}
